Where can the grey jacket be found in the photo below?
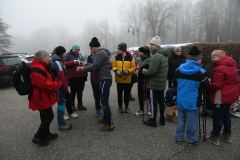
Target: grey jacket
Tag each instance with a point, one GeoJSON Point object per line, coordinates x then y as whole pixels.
{"type": "Point", "coordinates": [101, 65]}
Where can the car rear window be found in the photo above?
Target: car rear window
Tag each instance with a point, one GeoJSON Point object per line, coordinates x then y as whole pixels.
{"type": "Point", "coordinates": [9, 61]}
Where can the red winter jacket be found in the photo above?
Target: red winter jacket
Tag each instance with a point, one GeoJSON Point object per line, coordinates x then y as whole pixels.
{"type": "Point", "coordinates": [44, 89]}
{"type": "Point", "coordinates": [224, 82]}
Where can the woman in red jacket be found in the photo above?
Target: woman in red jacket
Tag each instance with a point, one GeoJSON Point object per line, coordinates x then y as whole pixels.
{"type": "Point", "coordinates": [43, 97]}
{"type": "Point", "coordinates": [224, 92]}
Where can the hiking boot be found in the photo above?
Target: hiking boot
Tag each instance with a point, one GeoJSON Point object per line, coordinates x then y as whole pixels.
{"type": "Point", "coordinates": [214, 140]}
{"type": "Point", "coordinates": [82, 108]}
{"type": "Point", "coordinates": [150, 123]}
{"type": "Point", "coordinates": [121, 110]}
{"type": "Point", "coordinates": [107, 127]}
{"type": "Point", "coordinates": [193, 144]}
{"type": "Point", "coordinates": [226, 138]}
{"type": "Point", "coordinates": [65, 127]}
{"type": "Point", "coordinates": [162, 121]}
{"type": "Point", "coordinates": [74, 115]}
{"type": "Point", "coordinates": [51, 136]}
{"type": "Point", "coordinates": [139, 113]}
{"type": "Point", "coordinates": [40, 142]}
{"type": "Point", "coordinates": [98, 114]}
{"type": "Point", "coordinates": [101, 121]}
{"type": "Point", "coordinates": [179, 142]}
{"type": "Point", "coordinates": [126, 110]}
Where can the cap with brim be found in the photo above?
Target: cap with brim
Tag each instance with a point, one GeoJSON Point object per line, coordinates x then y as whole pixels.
{"type": "Point", "coordinates": [76, 47]}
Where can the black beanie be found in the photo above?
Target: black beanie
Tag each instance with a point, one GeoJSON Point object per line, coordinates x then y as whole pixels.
{"type": "Point", "coordinates": [145, 50]}
{"type": "Point", "coordinates": [94, 42]}
{"type": "Point", "coordinates": [122, 46]}
{"type": "Point", "coordinates": [194, 53]}
{"type": "Point", "coordinates": [60, 50]}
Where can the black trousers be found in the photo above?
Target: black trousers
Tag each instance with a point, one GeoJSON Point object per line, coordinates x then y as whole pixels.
{"type": "Point", "coordinates": [46, 117]}
{"type": "Point", "coordinates": [126, 89]}
{"type": "Point", "coordinates": [77, 85]}
{"type": "Point", "coordinates": [69, 104]}
{"type": "Point", "coordinates": [156, 99]}
{"type": "Point", "coordinates": [221, 117]}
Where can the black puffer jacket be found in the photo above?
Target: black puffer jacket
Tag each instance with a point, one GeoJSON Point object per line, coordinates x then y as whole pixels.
{"type": "Point", "coordinates": [173, 63]}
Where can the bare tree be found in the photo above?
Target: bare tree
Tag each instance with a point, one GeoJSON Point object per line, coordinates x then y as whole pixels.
{"type": "Point", "coordinates": [5, 38]}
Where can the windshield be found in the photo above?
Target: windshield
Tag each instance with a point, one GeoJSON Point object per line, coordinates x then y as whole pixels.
{"type": "Point", "coordinates": [9, 61]}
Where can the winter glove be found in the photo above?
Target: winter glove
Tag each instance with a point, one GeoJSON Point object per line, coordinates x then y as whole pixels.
{"type": "Point", "coordinates": [144, 71]}
{"type": "Point", "coordinates": [118, 73]}
{"type": "Point", "coordinates": [125, 72]}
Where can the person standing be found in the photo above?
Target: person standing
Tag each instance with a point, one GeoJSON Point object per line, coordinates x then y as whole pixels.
{"type": "Point", "coordinates": [174, 61]}
{"type": "Point", "coordinates": [123, 64]}
{"type": "Point", "coordinates": [43, 97]}
{"type": "Point", "coordinates": [189, 76]}
{"type": "Point", "coordinates": [224, 87]}
{"type": "Point", "coordinates": [60, 74]}
{"type": "Point", "coordinates": [77, 78]}
{"type": "Point", "coordinates": [157, 74]}
{"type": "Point", "coordinates": [143, 92]}
{"type": "Point", "coordinates": [95, 86]}
{"type": "Point", "coordinates": [102, 67]}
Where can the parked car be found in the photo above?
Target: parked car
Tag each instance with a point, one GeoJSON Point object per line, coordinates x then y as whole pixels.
{"type": "Point", "coordinates": [8, 65]}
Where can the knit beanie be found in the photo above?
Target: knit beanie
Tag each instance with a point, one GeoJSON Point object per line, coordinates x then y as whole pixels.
{"type": "Point", "coordinates": [94, 42]}
{"type": "Point", "coordinates": [194, 53]}
{"type": "Point", "coordinates": [156, 40]}
{"type": "Point", "coordinates": [122, 46]}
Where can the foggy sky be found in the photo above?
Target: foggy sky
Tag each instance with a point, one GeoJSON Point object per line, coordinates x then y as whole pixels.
{"type": "Point", "coordinates": [26, 16]}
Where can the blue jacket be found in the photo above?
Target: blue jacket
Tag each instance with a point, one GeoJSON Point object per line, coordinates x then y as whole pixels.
{"type": "Point", "coordinates": [189, 76]}
{"type": "Point", "coordinates": [60, 74]}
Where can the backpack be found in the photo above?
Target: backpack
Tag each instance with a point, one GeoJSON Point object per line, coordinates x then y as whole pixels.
{"type": "Point", "coordinates": [22, 81]}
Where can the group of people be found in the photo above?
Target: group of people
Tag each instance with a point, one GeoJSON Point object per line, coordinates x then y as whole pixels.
{"type": "Point", "coordinates": [155, 69]}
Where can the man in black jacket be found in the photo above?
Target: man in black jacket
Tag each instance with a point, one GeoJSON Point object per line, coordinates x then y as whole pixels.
{"type": "Point", "coordinates": [176, 59]}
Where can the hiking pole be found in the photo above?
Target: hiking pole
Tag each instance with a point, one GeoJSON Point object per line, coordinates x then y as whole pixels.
{"type": "Point", "coordinates": [145, 100]}
{"type": "Point", "coordinates": [199, 124]}
{"type": "Point", "coordinates": [204, 118]}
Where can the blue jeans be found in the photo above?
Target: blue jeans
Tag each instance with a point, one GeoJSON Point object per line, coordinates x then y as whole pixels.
{"type": "Point", "coordinates": [104, 92]}
{"type": "Point", "coordinates": [60, 114]}
{"type": "Point", "coordinates": [188, 118]}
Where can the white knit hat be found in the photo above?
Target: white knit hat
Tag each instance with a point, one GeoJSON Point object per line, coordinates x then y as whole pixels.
{"type": "Point", "coordinates": [156, 40]}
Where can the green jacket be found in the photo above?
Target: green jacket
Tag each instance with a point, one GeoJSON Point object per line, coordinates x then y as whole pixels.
{"type": "Point", "coordinates": [158, 70]}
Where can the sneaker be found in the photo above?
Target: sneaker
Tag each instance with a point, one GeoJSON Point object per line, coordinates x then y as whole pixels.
{"type": "Point", "coordinates": [74, 115]}
{"type": "Point", "coordinates": [139, 113]}
{"type": "Point", "coordinates": [214, 140]}
{"type": "Point", "coordinates": [82, 108]}
{"type": "Point", "coordinates": [193, 144]}
{"type": "Point", "coordinates": [162, 121]}
{"type": "Point", "coordinates": [150, 123]}
{"type": "Point", "coordinates": [98, 114]}
{"type": "Point", "coordinates": [120, 110]}
{"type": "Point", "coordinates": [126, 110]}
{"type": "Point", "coordinates": [226, 138]}
{"type": "Point", "coordinates": [65, 118]}
{"type": "Point", "coordinates": [51, 136]}
{"type": "Point", "coordinates": [65, 127]}
{"type": "Point", "coordinates": [40, 142]}
{"type": "Point", "coordinates": [107, 127]}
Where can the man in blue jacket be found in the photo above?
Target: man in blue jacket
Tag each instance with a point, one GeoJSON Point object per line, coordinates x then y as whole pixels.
{"type": "Point", "coordinates": [189, 76]}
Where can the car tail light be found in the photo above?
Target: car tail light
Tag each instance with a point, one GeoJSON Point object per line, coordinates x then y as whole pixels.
{"type": "Point", "coordinates": [4, 69]}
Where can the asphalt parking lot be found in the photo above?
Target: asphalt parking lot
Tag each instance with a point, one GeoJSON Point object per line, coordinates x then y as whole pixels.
{"type": "Point", "coordinates": [130, 140]}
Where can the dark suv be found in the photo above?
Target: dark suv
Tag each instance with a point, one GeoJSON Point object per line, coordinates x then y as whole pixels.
{"type": "Point", "coordinates": [8, 65]}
